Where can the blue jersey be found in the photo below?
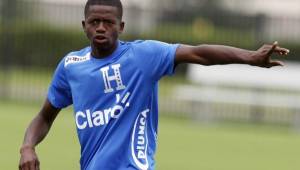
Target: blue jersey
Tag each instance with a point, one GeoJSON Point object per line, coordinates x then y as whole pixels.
{"type": "Point", "coordinates": [115, 102]}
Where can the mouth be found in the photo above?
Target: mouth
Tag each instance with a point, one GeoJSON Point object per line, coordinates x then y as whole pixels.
{"type": "Point", "coordinates": [100, 39]}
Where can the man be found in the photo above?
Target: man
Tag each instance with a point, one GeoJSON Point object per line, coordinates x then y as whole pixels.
{"type": "Point", "coordinates": [113, 88]}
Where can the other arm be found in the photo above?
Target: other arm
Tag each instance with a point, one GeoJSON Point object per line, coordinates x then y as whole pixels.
{"type": "Point", "coordinates": [219, 54]}
{"type": "Point", "coordinates": [35, 133]}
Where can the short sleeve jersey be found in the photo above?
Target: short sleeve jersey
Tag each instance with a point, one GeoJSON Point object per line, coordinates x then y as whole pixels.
{"type": "Point", "coordinates": [115, 102]}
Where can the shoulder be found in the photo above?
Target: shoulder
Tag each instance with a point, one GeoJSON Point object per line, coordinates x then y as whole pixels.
{"type": "Point", "coordinates": [147, 43]}
{"type": "Point", "coordinates": [147, 46]}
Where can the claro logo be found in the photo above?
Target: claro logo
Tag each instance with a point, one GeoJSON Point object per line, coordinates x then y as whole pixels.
{"type": "Point", "coordinates": [139, 141]}
{"type": "Point", "coordinates": [97, 118]}
{"type": "Point", "coordinates": [90, 119]}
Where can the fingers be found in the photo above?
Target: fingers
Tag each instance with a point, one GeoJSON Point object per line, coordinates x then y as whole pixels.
{"type": "Point", "coordinates": [29, 159]}
{"type": "Point", "coordinates": [29, 165]}
{"type": "Point", "coordinates": [275, 48]}
{"type": "Point", "coordinates": [282, 51]}
{"type": "Point", "coordinates": [37, 165]}
{"type": "Point", "coordinates": [275, 44]}
{"type": "Point", "coordinates": [265, 52]}
{"type": "Point", "coordinates": [32, 166]}
{"type": "Point", "coordinates": [275, 63]}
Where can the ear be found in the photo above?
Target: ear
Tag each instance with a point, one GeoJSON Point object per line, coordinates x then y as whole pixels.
{"type": "Point", "coordinates": [122, 25]}
{"type": "Point", "coordinates": [83, 25]}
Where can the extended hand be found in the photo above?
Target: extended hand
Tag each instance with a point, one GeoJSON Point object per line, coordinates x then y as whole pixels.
{"type": "Point", "coordinates": [29, 159]}
{"type": "Point", "coordinates": [262, 57]}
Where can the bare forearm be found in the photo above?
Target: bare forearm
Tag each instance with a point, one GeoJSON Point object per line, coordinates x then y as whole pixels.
{"type": "Point", "coordinates": [219, 54]}
{"type": "Point", "coordinates": [36, 131]}
{"type": "Point", "coordinates": [40, 125]}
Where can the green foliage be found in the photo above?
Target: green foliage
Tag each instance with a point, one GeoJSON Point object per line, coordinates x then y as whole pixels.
{"type": "Point", "coordinates": [42, 45]}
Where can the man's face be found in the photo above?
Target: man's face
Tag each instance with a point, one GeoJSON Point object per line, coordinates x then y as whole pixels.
{"type": "Point", "coordinates": [102, 26]}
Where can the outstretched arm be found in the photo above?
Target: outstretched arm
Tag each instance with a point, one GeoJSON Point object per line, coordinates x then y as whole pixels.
{"type": "Point", "coordinates": [219, 54]}
{"type": "Point", "coordinates": [35, 133]}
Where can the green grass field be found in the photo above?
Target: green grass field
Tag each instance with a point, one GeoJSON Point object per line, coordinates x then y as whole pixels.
{"type": "Point", "coordinates": [183, 144]}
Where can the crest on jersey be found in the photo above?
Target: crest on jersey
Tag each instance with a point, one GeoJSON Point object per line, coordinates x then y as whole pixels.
{"type": "Point", "coordinates": [116, 77]}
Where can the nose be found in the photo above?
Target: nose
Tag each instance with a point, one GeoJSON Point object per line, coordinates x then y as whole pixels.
{"type": "Point", "coordinates": [101, 28]}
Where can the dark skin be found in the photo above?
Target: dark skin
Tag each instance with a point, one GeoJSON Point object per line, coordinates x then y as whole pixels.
{"type": "Point", "coordinates": [102, 26]}
{"type": "Point", "coordinates": [219, 54]}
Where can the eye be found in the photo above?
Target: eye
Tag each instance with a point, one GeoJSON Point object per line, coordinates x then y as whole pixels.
{"type": "Point", "coordinates": [95, 22]}
{"type": "Point", "coordinates": [110, 22]}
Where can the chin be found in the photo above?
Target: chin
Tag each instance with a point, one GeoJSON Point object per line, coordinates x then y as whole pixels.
{"type": "Point", "coordinates": [103, 46]}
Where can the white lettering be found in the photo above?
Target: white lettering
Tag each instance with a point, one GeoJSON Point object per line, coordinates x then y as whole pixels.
{"type": "Point", "coordinates": [116, 77]}
{"type": "Point", "coordinates": [98, 118]}
{"type": "Point", "coordinates": [140, 147]}
{"type": "Point", "coordinates": [80, 126]}
{"type": "Point", "coordinates": [141, 130]}
{"type": "Point", "coordinates": [141, 155]}
{"type": "Point", "coordinates": [139, 141]}
{"type": "Point", "coordinates": [143, 121]}
{"type": "Point", "coordinates": [115, 113]}
{"type": "Point", "coordinates": [89, 119]}
{"type": "Point", "coordinates": [106, 115]}
{"type": "Point", "coordinates": [76, 59]}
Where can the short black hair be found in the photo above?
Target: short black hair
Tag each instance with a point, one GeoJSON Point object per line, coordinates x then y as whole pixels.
{"type": "Point", "coordinates": [114, 3]}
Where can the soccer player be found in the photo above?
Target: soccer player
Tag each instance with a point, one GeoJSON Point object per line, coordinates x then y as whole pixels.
{"type": "Point", "coordinates": [113, 86]}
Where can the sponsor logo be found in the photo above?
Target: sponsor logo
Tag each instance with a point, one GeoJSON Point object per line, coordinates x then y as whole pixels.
{"type": "Point", "coordinates": [76, 59]}
{"type": "Point", "coordinates": [102, 117]}
{"type": "Point", "coordinates": [139, 141]}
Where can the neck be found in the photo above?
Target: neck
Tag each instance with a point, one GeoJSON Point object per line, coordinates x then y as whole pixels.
{"type": "Point", "coordinates": [101, 53]}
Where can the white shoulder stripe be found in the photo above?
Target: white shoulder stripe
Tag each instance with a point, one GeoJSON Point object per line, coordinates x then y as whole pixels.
{"type": "Point", "coordinates": [76, 59]}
